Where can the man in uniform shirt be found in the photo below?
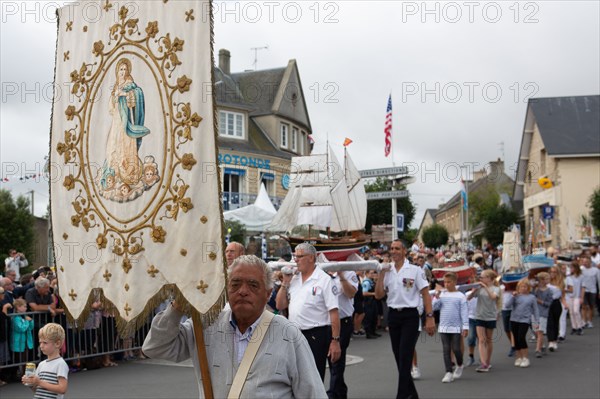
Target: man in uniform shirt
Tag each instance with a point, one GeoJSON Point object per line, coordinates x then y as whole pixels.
{"type": "Point", "coordinates": [313, 306]}
{"type": "Point", "coordinates": [404, 284]}
{"type": "Point", "coordinates": [347, 284]}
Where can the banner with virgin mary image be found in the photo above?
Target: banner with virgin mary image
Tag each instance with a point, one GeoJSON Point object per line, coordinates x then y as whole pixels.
{"type": "Point", "coordinates": [135, 201]}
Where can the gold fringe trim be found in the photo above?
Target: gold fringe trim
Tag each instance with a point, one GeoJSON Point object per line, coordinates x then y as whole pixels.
{"type": "Point", "coordinates": [128, 328]}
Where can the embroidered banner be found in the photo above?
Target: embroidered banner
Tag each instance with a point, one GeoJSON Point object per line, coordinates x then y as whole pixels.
{"type": "Point", "coordinates": [135, 202]}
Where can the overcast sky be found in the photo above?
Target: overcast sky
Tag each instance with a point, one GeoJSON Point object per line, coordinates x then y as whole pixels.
{"type": "Point", "coordinates": [460, 74]}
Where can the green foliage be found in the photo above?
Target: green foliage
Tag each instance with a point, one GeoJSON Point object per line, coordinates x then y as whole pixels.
{"type": "Point", "coordinates": [409, 235]}
{"type": "Point", "coordinates": [238, 230]}
{"type": "Point", "coordinates": [380, 211]}
{"type": "Point", "coordinates": [497, 221]}
{"type": "Point", "coordinates": [16, 224]}
{"type": "Point", "coordinates": [594, 203]}
{"type": "Point", "coordinates": [480, 204]}
{"type": "Point", "coordinates": [435, 236]}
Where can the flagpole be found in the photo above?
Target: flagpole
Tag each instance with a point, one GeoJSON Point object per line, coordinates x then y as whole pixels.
{"type": "Point", "coordinates": [393, 152]}
{"type": "Point", "coordinates": [467, 218]}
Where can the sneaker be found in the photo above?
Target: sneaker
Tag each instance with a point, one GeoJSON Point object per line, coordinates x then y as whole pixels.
{"type": "Point", "coordinates": [518, 362]}
{"type": "Point", "coordinates": [561, 339]}
{"type": "Point", "coordinates": [532, 338]}
{"type": "Point", "coordinates": [470, 361]}
{"type": "Point", "coordinates": [484, 368]}
{"type": "Point", "coordinates": [525, 362]}
{"type": "Point", "coordinates": [415, 373]}
{"type": "Point", "coordinates": [590, 325]}
{"type": "Point", "coordinates": [580, 331]}
{"type": "Point", "coordinates": [538, 354]}
{"type": "Point", "coordinates": [511, 352]}
{"type": "Point", "coordinates": [457, 372]}
{"type": "Point", "coordinates": [447, 377]}
{"type": "Point", "coordinates": [358, 333]}
{"type": "Point", "coordinates": [573, 331]}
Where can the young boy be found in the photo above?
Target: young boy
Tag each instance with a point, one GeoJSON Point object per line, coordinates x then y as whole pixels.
{"type": "Point", "coordinates": [50, 379]}
{"type": "Point", "coordinates": [454, 324]}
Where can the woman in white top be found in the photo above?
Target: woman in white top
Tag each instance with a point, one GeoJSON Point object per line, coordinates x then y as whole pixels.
{"type": "Point", "coordinates": [574, 295]}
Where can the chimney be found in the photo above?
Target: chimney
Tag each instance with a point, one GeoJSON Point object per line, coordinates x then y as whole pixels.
{"type": "Point", "coordinates": [496, 169]}
{"type": "Point", "coordinates": [224, 57]}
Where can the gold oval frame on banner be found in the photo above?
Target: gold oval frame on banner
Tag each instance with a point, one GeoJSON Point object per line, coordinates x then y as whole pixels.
{"type": "Point", "coordinates": [160, 54]}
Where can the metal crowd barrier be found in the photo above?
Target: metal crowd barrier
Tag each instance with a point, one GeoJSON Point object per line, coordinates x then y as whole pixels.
{"type": "Point", "coordinates": [96, 338]}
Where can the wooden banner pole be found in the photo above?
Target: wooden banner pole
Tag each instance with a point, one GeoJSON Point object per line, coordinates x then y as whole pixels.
{"type": "Point", "coordinates": [202, 358]}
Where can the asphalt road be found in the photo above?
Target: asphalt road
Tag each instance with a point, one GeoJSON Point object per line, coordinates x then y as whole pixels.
{"type": "Point", "coordinates": [571, 372]}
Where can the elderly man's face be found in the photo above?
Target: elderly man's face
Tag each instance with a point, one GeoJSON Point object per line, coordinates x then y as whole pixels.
{"type": "Point", "coordinates": [305, 261]}
{"type": "Point", "coordinates": [43, 291]}
{"type": "Point", "coordinates": [248, 294]}
{"type": "Point", "coordinates": [232, 251]}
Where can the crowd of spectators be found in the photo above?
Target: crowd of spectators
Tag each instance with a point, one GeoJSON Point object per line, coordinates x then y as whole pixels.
{"type": "Point", "coordinates": [30, 301]}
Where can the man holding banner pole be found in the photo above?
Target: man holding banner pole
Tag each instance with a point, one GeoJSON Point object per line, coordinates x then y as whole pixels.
{"type": "Point", "coordinates": [251, 352]}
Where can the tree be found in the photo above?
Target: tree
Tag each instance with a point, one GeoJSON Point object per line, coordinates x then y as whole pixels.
{"type": "Point", "coordinates": [435, 236]}
{"type": "Point", "coordinates": [594, 203]}
{"type": "Point", "coordinates": [236, 230]}
{"type": "Point", "coordinates": [16, 224]}
{"type": "Point", "coordinates": [380, 211]}
{"type": "Point", "coordinates": [480, 204]}
{"type": "Point", "coordinates": [497, 221]}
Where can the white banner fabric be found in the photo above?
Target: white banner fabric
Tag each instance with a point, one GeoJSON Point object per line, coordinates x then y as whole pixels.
{"type": "Point", "coordinates": [135, 200]}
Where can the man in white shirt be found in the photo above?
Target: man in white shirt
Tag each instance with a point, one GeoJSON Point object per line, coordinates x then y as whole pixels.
{"type": "Point", "coordinates": [313, 306]}
{"type": "Point", "coordinates": [347, 283]}
{"type": "Point", "coordinates": [590, 280]}
{"type": "Point", "coordinates": [595, 255]}
{"type": "Point", "coordinates": [404, 284]}
{"type": "Point", "coordinates": [15, 261]}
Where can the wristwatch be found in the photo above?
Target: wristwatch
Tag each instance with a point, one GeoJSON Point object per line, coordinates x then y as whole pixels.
{"type": "Point", "coordinates": [430, 314]}
{"type": "Point", "coordinates": [335, 338]}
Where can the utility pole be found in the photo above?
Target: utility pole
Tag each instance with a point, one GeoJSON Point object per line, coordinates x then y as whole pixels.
{"type": "Point", "coordinates": [256, 49]}
{"type": "Point", "coordinates": [31, 192]}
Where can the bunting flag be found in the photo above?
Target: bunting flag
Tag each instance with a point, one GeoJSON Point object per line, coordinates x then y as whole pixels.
{"type": "Point", "coordinates": [347, 142]}
{"type": "Point", "coordinates": [38, 176]}
{"type": "Point", "coordinates": [388, 127]}
{"type": "Point", "coordinates": [135, 206]}
{"type": "Point", "coordinates": [464, 197]}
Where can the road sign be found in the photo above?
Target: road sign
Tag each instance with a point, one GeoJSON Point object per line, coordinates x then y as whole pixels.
{"type": "Point", "coordinates": [387, 195]}
{"type": "Point", "coordinates": [397, 170]}
{"type": "Point", "coordinates": [548, 212]}
{"type": "Point", "coordinates": [400, 222]}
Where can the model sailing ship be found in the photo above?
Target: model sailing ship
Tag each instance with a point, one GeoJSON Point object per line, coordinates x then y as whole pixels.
{"type": "Point", "coordinates": [326, 206]}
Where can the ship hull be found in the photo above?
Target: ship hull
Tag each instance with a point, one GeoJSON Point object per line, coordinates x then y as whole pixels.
{"type": "Point", "coordinates": [465, 274]}
{"type": "Point", "coordinates": [334, 250]}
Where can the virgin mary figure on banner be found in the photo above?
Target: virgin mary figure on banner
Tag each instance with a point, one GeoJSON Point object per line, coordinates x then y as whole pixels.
{"type": "Point", "coordinates": [121, 175]}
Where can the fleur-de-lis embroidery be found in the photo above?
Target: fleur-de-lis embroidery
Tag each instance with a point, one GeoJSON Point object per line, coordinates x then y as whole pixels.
{"type": "Point", "coordinates": [202, 286]}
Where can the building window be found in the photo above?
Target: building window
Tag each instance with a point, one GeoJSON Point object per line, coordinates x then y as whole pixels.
{"type": "Point", "coordinates": [302, 140]}
{"type": "Point", "coordinates": [233, 181]}
{"type": "Point", "coordinates": [231, 124]}
{"type": "Point", "coordinates": [294, 139]}
{"type": "Point", "coordinates": [284, 135]}
{"type": "Point", "coordinates": [268, 179]}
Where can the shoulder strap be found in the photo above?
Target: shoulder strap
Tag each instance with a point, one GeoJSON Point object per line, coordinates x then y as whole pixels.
{"type": "Point", "coordinates": [249, 355]}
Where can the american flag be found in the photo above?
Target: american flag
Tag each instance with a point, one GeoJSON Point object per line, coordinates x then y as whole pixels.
{"type": "Point", "coordinates": [463, 195]}
{"type": "Point", "coordinates": [388, 127]}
